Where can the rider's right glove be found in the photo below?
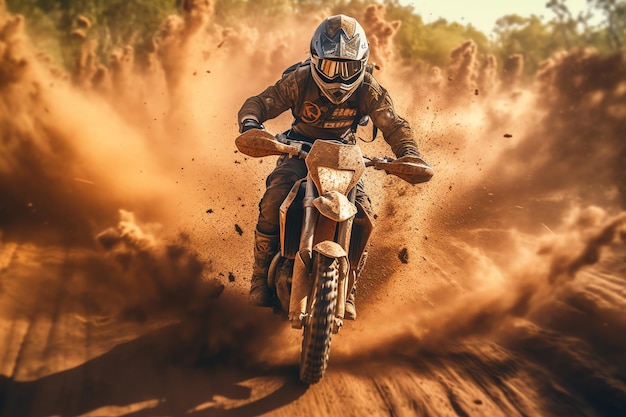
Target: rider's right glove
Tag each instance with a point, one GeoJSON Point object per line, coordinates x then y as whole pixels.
{"type": "Point", "coordinates": [248, 124]}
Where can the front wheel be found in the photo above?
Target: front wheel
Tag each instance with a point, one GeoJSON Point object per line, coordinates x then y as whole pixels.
{"type": "Point", "coordinates": [318, 325]}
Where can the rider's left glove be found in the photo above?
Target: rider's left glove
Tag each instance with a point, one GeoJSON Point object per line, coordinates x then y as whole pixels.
{"type": "Point", "coordinates": [248, 124]}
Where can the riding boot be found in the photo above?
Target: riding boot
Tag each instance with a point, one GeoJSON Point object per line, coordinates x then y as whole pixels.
{"type": "Point", "coordinates": [265, 247]}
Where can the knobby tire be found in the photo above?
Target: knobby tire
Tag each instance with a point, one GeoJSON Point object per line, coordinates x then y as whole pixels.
{"type": "Point", "coordinates": [318, 327]}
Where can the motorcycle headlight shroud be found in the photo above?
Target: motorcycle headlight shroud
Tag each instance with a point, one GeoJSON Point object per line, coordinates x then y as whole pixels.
{"type": "Point", "coordinates": [334, 166]}
{"type": "Point", "coordinates": [332, 179]}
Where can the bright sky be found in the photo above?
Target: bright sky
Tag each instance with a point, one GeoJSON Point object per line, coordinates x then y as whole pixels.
{"type": "Point", "coordinates": [482, 14]}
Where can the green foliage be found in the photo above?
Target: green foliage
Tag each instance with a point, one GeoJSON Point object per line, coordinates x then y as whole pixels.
{"type": "Point", "coordinates": [229, 12]}
{"type": "Point", "coordinates": [537, 40]}
{"type": "Point", "coordinates": [117, 23]}
{"type": "Point", "coordinates": [614, 12]}
{"type": "Point", "coordinates": [529, 37]}
{"type": "Point", "coordinates": [123, 22]}
{"type": "Point", "coordinates": [40, 23]}
{"type": "Point", "coordinates": [431, 43]}
{"type": "Point", "coordinates": [113, 23]}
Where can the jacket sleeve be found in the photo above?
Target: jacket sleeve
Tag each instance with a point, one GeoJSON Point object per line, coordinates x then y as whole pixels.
{"type": "Point", "coordinates": [272, 102]}
{"type": "Point", "coordinates": [396, 130]}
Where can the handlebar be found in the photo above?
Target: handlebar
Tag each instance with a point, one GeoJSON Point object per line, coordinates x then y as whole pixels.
{"type": "Point", "coordinates": [260, 143]}
{"type": "Point", "coordinates": [369, 162]}
{"type": "Point", "coordinates": [298, 144]}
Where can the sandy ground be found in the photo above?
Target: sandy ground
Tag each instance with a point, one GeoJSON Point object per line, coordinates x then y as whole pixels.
{"type": "Point", "coordinates": [62, 357]}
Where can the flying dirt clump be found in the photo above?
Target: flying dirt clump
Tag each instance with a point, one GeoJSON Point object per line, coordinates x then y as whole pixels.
{"type": "Point", "coordinates": [463, 72]}
{"type": "Point", "coordinates": [178, 37]}
{"type": "Point", "coordinates": [88, 72]}
{"type": "Point", "coordinates": [403, 255]}
{"type": "Point", "coordinates": [156, 275]}
{"type": "Point", "coordinates": [13, 62]}
{"type": "Point", "coordinates": [380, 33]}
{"type": "Point", "coordinates": [457, 85]}
{"type": "Point", "coordinates": [512, 72]}
{"type": "Point", "coordinates": [488, 79]}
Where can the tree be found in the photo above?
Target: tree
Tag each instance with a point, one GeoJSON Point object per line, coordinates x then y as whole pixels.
{"type": "Point", "coordinates": [55, 25]}
{"type": "Point", "coordinates": [615, 20]}
{"type": "Point", "coordinates": [527, 36]}
{"type": "Point", "coordinates": [431, 44]}
{"type": "Point", "coordinates": [565, 25]}
{"type": "Point", "coordinates": [114, 23]}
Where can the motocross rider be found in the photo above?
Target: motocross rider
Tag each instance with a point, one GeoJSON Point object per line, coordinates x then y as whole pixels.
{"type": "Point", "coordinates": [327, 95]}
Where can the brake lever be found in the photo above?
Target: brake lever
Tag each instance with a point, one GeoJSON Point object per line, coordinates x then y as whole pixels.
{"type": "Point", "coordinates": [301, 153]}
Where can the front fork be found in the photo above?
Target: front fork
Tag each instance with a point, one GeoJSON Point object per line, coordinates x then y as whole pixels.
{"type": "Point", "coordinates": [301, 278]}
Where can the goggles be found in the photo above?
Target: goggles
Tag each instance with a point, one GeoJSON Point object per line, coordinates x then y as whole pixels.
{"type": "Point", "coordinates": [334, 68]}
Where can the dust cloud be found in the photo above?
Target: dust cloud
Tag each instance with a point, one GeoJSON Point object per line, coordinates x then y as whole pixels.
{"type": "Point", "coordinates": [516, 239]}
{"type": "Point", "coordinates": [121, 190]}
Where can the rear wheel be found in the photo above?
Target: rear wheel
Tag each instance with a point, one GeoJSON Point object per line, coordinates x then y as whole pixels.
{"type": "Point", "coordinates": [319, 323]}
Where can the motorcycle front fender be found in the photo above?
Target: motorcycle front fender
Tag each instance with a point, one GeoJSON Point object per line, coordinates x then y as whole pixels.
{"type": "Point", "coordinates": [335, 206]}
{"type": "Point", "coordinates": [330, 249]}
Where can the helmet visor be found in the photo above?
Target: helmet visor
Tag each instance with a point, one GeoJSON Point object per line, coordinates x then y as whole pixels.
{"type": "Point", "coordinates": [332, 68]}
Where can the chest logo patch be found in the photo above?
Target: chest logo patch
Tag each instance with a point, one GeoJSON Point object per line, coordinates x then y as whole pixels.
{"type": "Point", "coordinates": [310, 112]}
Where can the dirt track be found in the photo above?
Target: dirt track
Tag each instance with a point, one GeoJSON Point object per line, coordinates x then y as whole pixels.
{"type": "Point", "coordinates": [63, 357]}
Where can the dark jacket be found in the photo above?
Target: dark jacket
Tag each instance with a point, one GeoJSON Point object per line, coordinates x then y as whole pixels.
{"type": "Point", "coordinates": [315, 117]}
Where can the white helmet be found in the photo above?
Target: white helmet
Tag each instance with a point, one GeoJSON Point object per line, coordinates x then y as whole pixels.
{"type": "Point", "coordinates": [339, 53]}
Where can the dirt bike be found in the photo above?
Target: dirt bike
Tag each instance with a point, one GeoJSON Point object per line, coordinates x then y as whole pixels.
{"type": "Point", "coordinates": [323, 235]}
